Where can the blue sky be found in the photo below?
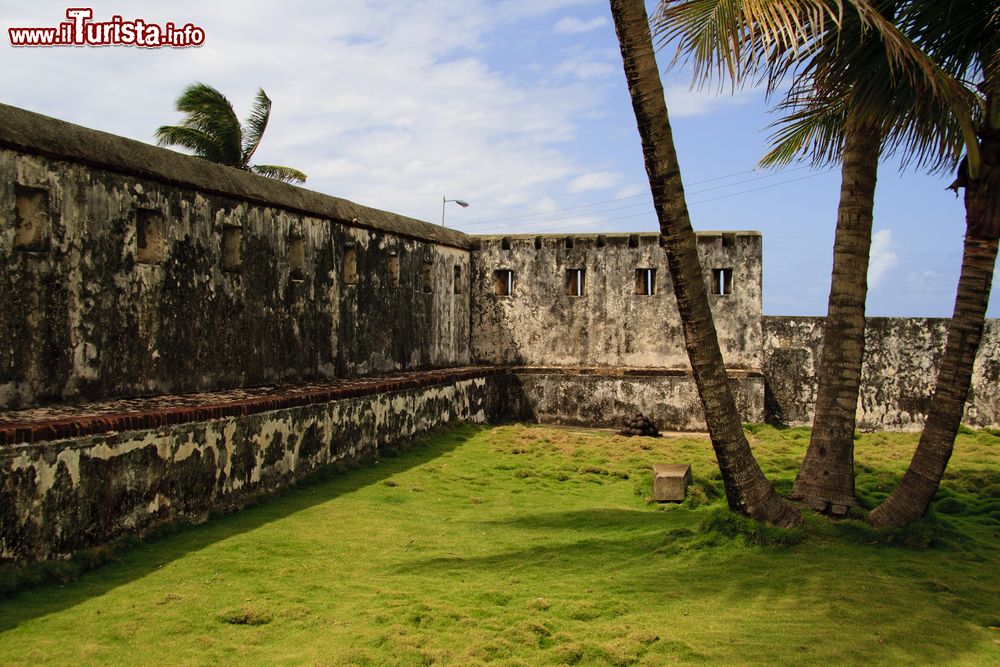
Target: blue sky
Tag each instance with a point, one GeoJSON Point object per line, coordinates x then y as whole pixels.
{"type": "Point", "coordinates": [518, 106]}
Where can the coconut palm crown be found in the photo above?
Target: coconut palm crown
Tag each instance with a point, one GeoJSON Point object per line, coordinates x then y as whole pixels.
{"type": "Point", "coordinates": [212, 131]}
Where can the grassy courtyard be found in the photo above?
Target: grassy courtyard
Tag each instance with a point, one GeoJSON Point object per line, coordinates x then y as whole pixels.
{"type": "Point", "coordinates": [536, 545]}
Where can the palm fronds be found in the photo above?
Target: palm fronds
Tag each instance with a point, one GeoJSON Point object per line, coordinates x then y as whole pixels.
{"type": "Point", "coordinates": [194, 140]}
{"type": "Point", "coordinates": [857, 53]}
{"type": "Point", "coordinates": [256, 124]}
{"type": "Point", "coordinates": [286, 174]}
{"type": "Point", "coordinates": [211, 130]}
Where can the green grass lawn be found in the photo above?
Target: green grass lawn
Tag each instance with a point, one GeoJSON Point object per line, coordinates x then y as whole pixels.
{"type": "Point", "coordinates": [536, 545]}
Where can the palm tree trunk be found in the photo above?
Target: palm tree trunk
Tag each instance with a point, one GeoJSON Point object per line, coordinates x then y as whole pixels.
{"type": "Point", "coordinates": [747, 489]}
{"type": "Point", "coordinates": [982, 214]}
{"type": "Point", "coordinates": [911, 498]}
{"type": "Point", "coordinates": [826, 479]}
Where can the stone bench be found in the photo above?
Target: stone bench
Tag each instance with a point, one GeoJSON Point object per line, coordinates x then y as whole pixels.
{"type": "Point", "coordinates": [670, 481]}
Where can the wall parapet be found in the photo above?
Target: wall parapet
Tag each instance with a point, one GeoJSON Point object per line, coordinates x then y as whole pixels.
{"type": "Point", "coordinates": [34, 133]}
{"type": "Point", "coordinates": [59, 422]}
{"type": "Point", "coordinates": [61, 496]}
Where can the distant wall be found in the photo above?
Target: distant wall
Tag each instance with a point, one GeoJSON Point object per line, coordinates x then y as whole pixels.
{"type": "Point", "coordinates": [609, 324]}
{"type": "Point", "coordinates": [897, 379]}
{"type": "Point", "coordinates": [609, 398]}
{"type": "Point", "coordinates": [129, 270]}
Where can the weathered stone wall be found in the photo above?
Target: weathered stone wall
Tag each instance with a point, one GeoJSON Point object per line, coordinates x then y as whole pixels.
{"type": "Point", "coordinates": [133, 270]}
{"type": "Point", "coordinates": [57, 497]}
{"type": "Point", "coordinates": [897, 379]}
{"type": "Point", "coordinates": [130, 270]}
{"type": "Point", "coordinates": [608, 398]}
{"type": "Point", "coordinates": [609, 325]}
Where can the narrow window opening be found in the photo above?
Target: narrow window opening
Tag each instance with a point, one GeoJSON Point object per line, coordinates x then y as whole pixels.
{"type": "Point", "coordinates": [602, 240]}
{"type": "Point", "coordinates": [31, 219]}
{"type": "Point", "coordinates": [297, 259]}
{"type": "Point", "coordinates": [645, 282]}
{"type": "Point", "coordinates": [538, 243]}
{"type": "Point", "coordinates": [505, 243]}
{"type": "Point", "coordinates": [729, 240]}
{"type": "Point", "coordinates": [150, 237]}
{"type": "Point", "coordinates": [503, 282]}
{"type": "Point", "coordinates": [394, 269]}
{"type": "Point", "coordinates": [575, 282]}
{"type": "Point", "coordinates": [232, 242]}
{"type": "Point", "coordinates": [633, 240]}
{"type": "Point", "coordinates": [428, 277]}
{"type": "Point", "coordinates": [350, 265]}
{"type": "Point", "coordinates": [458, 279]}
{"type": "Point", "coordinates": [722, 281]}
{"type": "Point", "coordinates": [569, 242]}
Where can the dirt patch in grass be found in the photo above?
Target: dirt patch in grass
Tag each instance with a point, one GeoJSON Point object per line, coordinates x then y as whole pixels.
{"type": "Point", "coordinates": [247, 615]}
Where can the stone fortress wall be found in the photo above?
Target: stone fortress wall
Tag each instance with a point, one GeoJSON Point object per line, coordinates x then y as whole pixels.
{"type": "Point", "coordinates": [902, 355]}
{"type": "Point", "coordinates": [130, 274]}
{"type": "Point", "coordinates": [589, 325]}
{"type": "Point", "coordinates": [131, 270]}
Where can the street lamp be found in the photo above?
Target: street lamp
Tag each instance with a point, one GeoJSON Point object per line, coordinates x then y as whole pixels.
{"type": "Point", "coordinates": [460, 202]}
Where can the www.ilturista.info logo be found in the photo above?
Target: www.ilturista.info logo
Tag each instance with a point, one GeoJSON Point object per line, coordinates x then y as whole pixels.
{"type": "Point", "coordinates": [80, 30]}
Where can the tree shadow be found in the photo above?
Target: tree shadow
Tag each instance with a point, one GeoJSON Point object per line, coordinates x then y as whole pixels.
{"type": "Point", "coordinates": [138, 560]}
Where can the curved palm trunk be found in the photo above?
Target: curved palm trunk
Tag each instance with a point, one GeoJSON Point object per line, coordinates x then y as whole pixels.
{"type": "Point", "coordinates": [911, 498]}
{"type": "Point", "coordinates": [826, 479]}
{"type": "Point", "coordinates": [747, 489]}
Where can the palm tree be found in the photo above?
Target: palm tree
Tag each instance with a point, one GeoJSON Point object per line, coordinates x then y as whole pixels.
{"type": "Point", "coordinates": [212, 130]}
{"type": "Point", "coordinates": [747, 489]}
{"type": "Point", "coordinates": [846, 103]}
{"type": "Point", "coordinates": [959, 40]}
{"type": "Point", "coordinates": [968, 46]}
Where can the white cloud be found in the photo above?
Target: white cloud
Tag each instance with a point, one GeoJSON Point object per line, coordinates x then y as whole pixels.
{"type": "Point", "coordinates": [883, 257]}
{"type": "Point", "coordinates": [632, 190]}
{"type": "Point", "coordinates": [683, 101]}
{"type": "Point", "coordinates": [595, 180]}
{"type": "Point", "coordinates": [571, 25]}
{"type": "Point", "coordinates": [584, 69]}
{"type": "Point", "coordinates": [387, 104]}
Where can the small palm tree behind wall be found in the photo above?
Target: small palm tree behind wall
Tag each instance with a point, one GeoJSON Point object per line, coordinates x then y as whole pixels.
{"type": "Point", "coordinates": [212, 131]}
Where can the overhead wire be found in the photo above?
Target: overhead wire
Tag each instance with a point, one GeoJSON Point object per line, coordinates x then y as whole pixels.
{"type": "Point", "coordinates": [645, 195]}
{"type": "Point", "coordinates": [601, 221]}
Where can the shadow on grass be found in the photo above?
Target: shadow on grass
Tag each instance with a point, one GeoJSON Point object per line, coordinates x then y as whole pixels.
{"type": "Point", "coordinates": [145, 556]}
{"type": "Point", "coordinates": [873, 601]}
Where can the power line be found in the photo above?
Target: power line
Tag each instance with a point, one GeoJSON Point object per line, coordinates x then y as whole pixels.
{"type": "Point", "coordinates": [636, 215]}
{"type": "Point", "coordinates": [763, 187]}
{"type": "Point", "coordinates": [746, 180]}
{"type": "Point", "coordinates": [558, 210]}
{"type": "Point", "coordinates": [646, 195]}
{"type": "Point", "coordinates": [570, 217]}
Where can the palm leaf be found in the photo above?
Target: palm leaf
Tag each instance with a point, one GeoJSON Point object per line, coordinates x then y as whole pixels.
{"type": "Point", "coordinates": [744, 39]}
{"type": "Point", "coordinates": [812, 131]}
{"type": "Point", "coordinates": [197, 141]}
{"type": "Point", "coordinates": [255, 125]}
{"type": "Point", "coordinates": [926, 77]}
{"type": "Point", "coordinates": [286, 174]}
{"type": "Point", "coordinates": [833, 55]}
{"type": "Point", "coordinates": [208, 111]}
{"type": "Point", "coordinates": [211, 130]}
